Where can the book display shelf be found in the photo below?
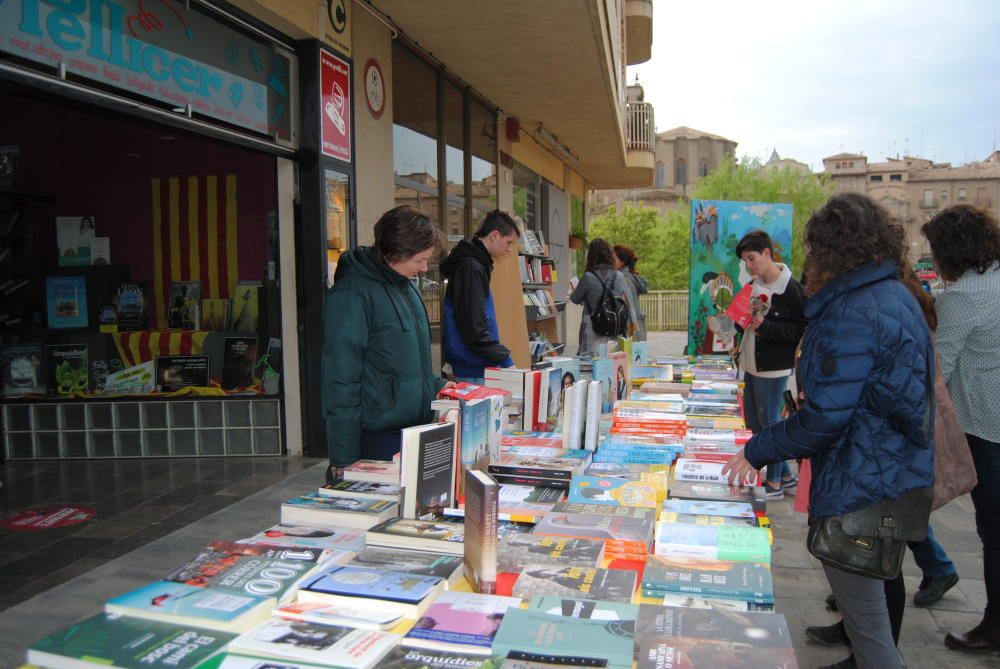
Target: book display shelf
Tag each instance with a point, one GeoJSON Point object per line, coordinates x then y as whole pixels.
{"type": "Point", "coordinates": [129, 428]}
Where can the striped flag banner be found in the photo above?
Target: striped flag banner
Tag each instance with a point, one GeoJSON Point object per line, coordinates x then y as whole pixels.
{"type": "Point", "coordinates": [194, 237]}
{"type": "Point", "coordinates": [144, 345]}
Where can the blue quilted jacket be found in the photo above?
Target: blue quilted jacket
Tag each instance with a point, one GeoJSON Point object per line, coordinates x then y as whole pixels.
{"type": "Point", "coordinates": [867, 421]}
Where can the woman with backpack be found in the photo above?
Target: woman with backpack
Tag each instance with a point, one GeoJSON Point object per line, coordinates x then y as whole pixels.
{"type": "Point", "coordinates": [607, 312]}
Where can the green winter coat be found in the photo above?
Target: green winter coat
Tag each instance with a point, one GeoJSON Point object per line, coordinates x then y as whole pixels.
{"type": "Point", "coordinates": [377, 371]}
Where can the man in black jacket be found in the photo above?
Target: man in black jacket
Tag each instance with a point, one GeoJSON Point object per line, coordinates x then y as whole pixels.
{"type": "Point", "coordinates": [767, 351]}
{"type": "Point", "coordinates": [470, 337]}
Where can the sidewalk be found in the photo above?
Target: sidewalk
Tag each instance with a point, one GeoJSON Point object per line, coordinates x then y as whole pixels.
{"type": "Point", "coordinates": [800, 585]}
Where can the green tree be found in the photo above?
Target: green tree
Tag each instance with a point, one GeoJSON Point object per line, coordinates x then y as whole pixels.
{"type": "Point", "coordinates": [640, 229]}
{"type": "Point", "coordinates": [747, 181]}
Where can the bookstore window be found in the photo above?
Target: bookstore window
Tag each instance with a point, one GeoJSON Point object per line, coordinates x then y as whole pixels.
{"type": "Point", "coordinates": [527, 187]}
{"type": "Point", "coordinates": [454, 224]}
{"type": "Point", "coordinates": [482, 151]}
{"type": "Point", "coordinates": [414, 132]}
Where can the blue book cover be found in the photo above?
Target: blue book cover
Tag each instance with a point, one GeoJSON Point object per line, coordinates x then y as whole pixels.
{"type": "Point", "coordinates": [66, 301]}
{"type": "Point", "coordinates": [604, 371]}
{"type": "Point", "coordinates": [173, 602]}
{"type": "Point", "coordinates": [475, 430]}
{"type": "Point", "coordinates": [373, 583]}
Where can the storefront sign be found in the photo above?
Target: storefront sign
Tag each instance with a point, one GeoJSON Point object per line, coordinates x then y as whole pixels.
{"type": "Point", "coordinates": [337, 24]}
{"type": "Point", "coordinates": [160, 50]}
{"type": "Point", "coordinates": [46, 517]}
{"type": "Point", "coordinates": [335, 105]}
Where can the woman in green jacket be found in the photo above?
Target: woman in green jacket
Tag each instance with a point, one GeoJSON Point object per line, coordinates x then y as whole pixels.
{"type": "Point", "coordinates": [377, 371]}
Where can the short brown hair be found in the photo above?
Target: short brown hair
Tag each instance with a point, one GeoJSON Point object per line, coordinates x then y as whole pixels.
{"type": "Point", "coordinates": [599, 254]}
{"type": "Point", "coordinates": [627, 256]}
{"type": "Point", "coordinates": [403, 232]}
{"type": "Point", "coordinates": [963, 237]}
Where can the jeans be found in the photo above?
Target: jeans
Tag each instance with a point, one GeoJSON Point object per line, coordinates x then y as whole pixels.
{"type": "Point", "coordinates": [986, 499]}
{"type": "Point", "coordinates": [761, 407]}
{"type": "Point", "coordinates": [930, 556]}
{"type": "Point", "coordinates": [862, 603]}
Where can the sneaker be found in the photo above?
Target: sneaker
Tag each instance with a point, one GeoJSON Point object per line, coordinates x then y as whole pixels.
{"type": "Point", "coordinates": [773, 493]}
{"type": "Point", "coordinates": [788, 484]}
{"type": "Point", "coordinates": [828, 635]}
{"type": "Point", "coordinates": [933, 588]}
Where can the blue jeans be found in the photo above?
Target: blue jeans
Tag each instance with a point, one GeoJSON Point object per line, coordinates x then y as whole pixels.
{"type": "Point", "coordinates": [930, 556]}
{"type": "Point", "coordinates": [986, 499]}
{"type": "Point", "coordinates": [761, 407]}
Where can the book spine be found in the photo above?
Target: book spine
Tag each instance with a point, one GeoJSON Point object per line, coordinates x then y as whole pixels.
{"type": "Point", "coordinates": [531, 472]}
{"type": "Point", "coordinates": [537, 482]}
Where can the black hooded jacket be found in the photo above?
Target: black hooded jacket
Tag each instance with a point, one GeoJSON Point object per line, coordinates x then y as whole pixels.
{"type": "Point", "coordinates": [468, 269]}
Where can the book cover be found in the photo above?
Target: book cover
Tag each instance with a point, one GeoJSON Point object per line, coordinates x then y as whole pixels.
{"type": "Point", "coordinates": [311, 536]}
{"type": "Point", "coordinates": [358, 512]}
{"type": "Point", "coordinates": [420, 658]}
{"type": "Point", "coordinates": [659, 623]}
{"type": "Point", "coordinates": [257, 570]}
{"type": "Point", "coordinates": [584, 608]}
{"type": "Point", "coordinates": [183, 604]}
{"type": "Point", "coordinates": [495, 425]}
{"type": "Point", "coordinates": [554, 398]}
{"type": "Point", "coordinates": [174, 372]}
{"type": "Point", "coordinates": [540, 466]}
{"type": "Point", "coordinates": [246, 307]}
{"type": "Point", "coordinates": [709, 508]}
{"type": "Point", "coordinates": [121, 641]}
{"type": "Point", "coordinates": [701, 519]}
{"type": "Point", "coordinates": [136, 380]}
{"type": "Point", "coordinates": [578, 423]}
{"type": "Point", "coordinates": [620, 374]}
{"type": "Point", "coordinates": [73, 237]}
{"type": "Point", "coordinates": [444, 535]}
{"type": "Point", "coordinates": [341, 615]}
{"type": "Point", "coordinates": [519, 550]}
{"type": "Point", "coordinates": [695, 469]}
{"type": "Point", "coordinates": [215, 314]}
{"type": "Point", "coordinates": [23, 370]}
{"type": "Point", "coordinates": [461, 621]}
{"type": "Point", "coordinates": [481, 538]}
{"type": "Point", "coordinates": [690, 653]}
{"type": "Point", "coordinates": [718, 603]}
{"type": "Point", "coordinates": [410, 562]}
{"type": "Point", "coordinates": [324, 645]}
{"type": "Point", "coordinates": [611, 491]}
{"type": "Point", "coordinates": [428, 470]}
{"type": "Point", "coordinates": [239, 358]}
{"type": "Point", "coordinates": [604, 373]}
{"type": "Point", "coordinates": [66, 367]}
{"type": "Point", "coordinates": [605, 510]}
{"type": "Point", "coordinates": [378, 471]}
{"type": "Point", "coordinates": [713, 542]}
{"type": "Point", "coordinates": [528, 500]}
{"type": "Point", "coordinates": [719, 492]}
{"type": "Point", "coordinates": [131, 306]}
{"type": "Point", "coordinates": [613, 585]}
{"type": "Point", "coordinates": [538, 632]}
{"type": "Point", "coordinates": [66, 301]}
{"type": "Point", "coordinates": [618, 530]}
{"type": "Point", "coordinates": [591, 433]}
{"type": "Point", "coordinates": [470, 391]}
{"type": "Point", "coordinates": [107, 318]}
{"type": "Point", "coordinates": [100, 251]}
{"type": "Point", "coordinates": [475, 437]}
{"type": "Point", "coordinates": [367, 489]}
{"type": "Point", "coordinates": [750, 581]}
{"type": "Point", "coordinates": [184, 305]}
{"type": "Point", "coordinates": [363, 582]}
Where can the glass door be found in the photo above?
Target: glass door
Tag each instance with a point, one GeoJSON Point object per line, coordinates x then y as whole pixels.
{"type": "Point", "coordinates": [338, 229]}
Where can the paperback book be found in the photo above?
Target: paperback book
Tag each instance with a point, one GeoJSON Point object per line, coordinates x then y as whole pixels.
{"type": "Point", "coordinates": [481, 538]}
{"type": "Point", "coordinates": [131, 307]}
{"type": "Point", "coordinates": [73, 238]}
{"type": "Point", "coordinates": [519, 550]}
{"type": "Point", "coordinates": [709, 508]}
{"type": "Point", "coordinates": [749, 581]}
{"type": "Point", "coordinates": [539, 633]}
{"type": "Point", "coordinates": [66, 366]}
{"type": "Point", "coordinates": [659, 623]}
{"type": "Point", "coordinates": [23, 369]}
{"type": "Point", "coordinates": [537, 466]}
{"type": "Point", "coordinates": [215, 314]}
{"type": "Point", "coordinates": [339, 615]}
{"type": "Point", "coordinates": [427, 465]}
{"type": "Point", "coordinates": [419, 563]}
{"type": "Point", "coordinates": [443, 535]}
{"type": "Point", "coordinates": [584, 608]}
{"type": "Point", "coordinates": [383, 491]}
{"type": "Point", "coordinates": [719, 492]}
{"type": "Point", "coordinates": [376, 471]}
{"type": "Point", "coordinates": [419, 658]}
{"type": "Point", "coordinates": [174, 372]}
{"type": "Point", "coordinates": [612, 585]}
{"type": "Point", "coordinates": [184, 305]}
{"type": "Point", "coordinates": [182, 604]}
{"type": "Point", "coordinates": [701, 519]}
{"type": "Point", "coordinates": [713, 542]}
{"type": "Point", "coordinates": [532, 501]}
{"type": "Point", "coordinates": [375, 589]}
{"type": "Point", "coordinates": [691, 653]}
{"type": "Point", "coordinates": [239, 359]}
{"type": "Point", "coordinates": [612, 492]}
{"type": "Point", "coordinates": [357, 512]}
{"type": "Point", "coordinates": [66, 301]}
{"type": "Point", "coordinates": [324, 645]}
{"type": "Point", "coordinates": [461, 622]}
{"type": "Point", "coordinates": [310, 536]}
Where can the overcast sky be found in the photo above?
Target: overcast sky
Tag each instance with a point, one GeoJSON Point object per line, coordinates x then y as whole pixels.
{"type": "Point", "coordinates": [815, 78]}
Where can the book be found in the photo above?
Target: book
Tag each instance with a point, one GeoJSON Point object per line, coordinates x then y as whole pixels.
{"type": "Point", "coordinates": [519, 550]}
{"type": "Point", "coordinates": [421, 563]}
{"type": "Point", "coordinates": [427, 467]}
{"type": "Point", "coordinates": [66, 301]}
{"type": "Point", "coordinates": [376, 471]}
{"type": "Point", "coordinates": [713, 542]}
{"type": "Point", "coordinates": [481, 539]}
{"type": "Point", "coordinates": [536, 466]}
{"type": "Point", "coordinates": [605, 510]}
{"type": "Point", "coordinates": [114, 641]}
{"type": "Point", "coordinates": [100, 251]}
{"type": "Point", "coordinates": [470, 391]}
{"type": "Point", "coordinates": [107, 318]}
{"type": "Point", "coordinates": [537, 632]}
{"type": "Point", "coordinates": [73, 237]}
{"type": "Point", "coordinates": [419, 658]}
{"type": "Point", "coordinates": [460, 622]}
{"type": "Point", "coordinates": [719, 492]}
{"type": "Point", "coordinates": [691, 653]}
{"type": "Point", "coordinates": [591, 431]}
{"type": "Point", "coordinates": [239, 358]}
{"type": "Point", "coordinates": [611, 491]}
{"type": "Point", "coordinates": [709, 508]}
{"type": "Point", "coordinates": [131, 306]}
{"type": "Point", "coordinates": [475, 438]}
{"type": "Point", "coordinates": [700, 519]}
{"type": "Point", "coordinates": [383, 491]}
{"type": "Point", "coordinates": [257, 570]}
{"type": "Point", "coordinates": [525, 500]}
{"type": "Point", "coordinates": [136, 380]}
{"type": "Point", "coordinates": [182, 604]}
{"type": "Point", "coordinates": [659, 623]}
{"type": "Point", "coordinates": [184, 305]}
{"type": "Point", "coordinates": [357, 512]}
{"type": "Point", "coordinates": [717, 603]}
{"type": "Point", "coordinates": [698, 469]}
{"type": "Point", "coordinates": [750, 581]}
{"type": "Point", "coordinates": [444, 535]}
{"type": "Point", "coordinates": [23, 369]}
{"type": "Point", "coordinates": [584, 608]}
{"type": "Point", "coordinates": [616, 531]}
{"type": "Point", "coordinates": [374, 589]}
{"type": "Point", "coordinates": [246, 306]}
{"type": "Point", "coordinates": [339, 615]}
{"type": "Point", "coordinates": [613, 585]}
{"type": "Point", "coordinates": [66, 368]}
{"type": "Point", "coordinates": [215, 314]}
{"type": "Point", "coordinates": [174, 372]}
{"type": "Point", "coordinates": [324, 645]}
{"type": "Point", "coordinates": [310, 536]}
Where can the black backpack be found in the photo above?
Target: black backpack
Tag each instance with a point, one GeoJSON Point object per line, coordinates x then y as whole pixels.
{"type": "Point", "coordinates": [611, 317]}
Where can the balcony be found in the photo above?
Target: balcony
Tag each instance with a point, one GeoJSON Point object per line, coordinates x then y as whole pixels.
{"type": "Point", "coordinates": [638, 31]}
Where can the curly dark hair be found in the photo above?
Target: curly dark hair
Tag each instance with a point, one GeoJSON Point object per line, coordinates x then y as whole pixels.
{"type": "Point", "coordinates": [626, 256]}
{"type": "Point", "coordinates": [963, 237]}
{"type": "Point", "coordinates": [599, 254]}
{"type": "Point", "coordinates": [849, 231]}
{"type": "Point", "coordinates": [403, 232]}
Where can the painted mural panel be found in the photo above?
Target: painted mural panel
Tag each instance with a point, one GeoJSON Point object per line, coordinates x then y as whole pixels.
{"type": "Point", "coordinates": [716, 273]}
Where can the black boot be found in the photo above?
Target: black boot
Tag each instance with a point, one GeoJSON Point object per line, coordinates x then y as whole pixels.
{"type": "Point", "coordinates": [983, 638]}
{"type": "Point", "coordinates": [932, 588]}
{"type": "Point", "coordinates": [830, 635]}
{"type": "Point", "coordinates": [846, 663]}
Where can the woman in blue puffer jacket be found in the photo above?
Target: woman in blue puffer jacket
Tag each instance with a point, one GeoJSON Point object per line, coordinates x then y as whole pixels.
{"type": "Point", "coordinates": [864, 364]}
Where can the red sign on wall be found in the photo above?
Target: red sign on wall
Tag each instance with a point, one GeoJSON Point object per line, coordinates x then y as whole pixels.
{"type": "Point", "coordinates": [335, 106]}
{"type": "Point", "coordinates": [46, 517]}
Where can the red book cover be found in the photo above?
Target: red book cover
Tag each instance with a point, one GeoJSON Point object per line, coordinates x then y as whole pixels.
{"type": "Point", "coordinates": [739, 308]}
{"type": "Point", "coordinates": [470, 391]}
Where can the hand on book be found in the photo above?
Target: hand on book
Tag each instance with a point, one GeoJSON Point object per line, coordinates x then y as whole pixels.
{"type": "Point", "coordinates": [737, 469]}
